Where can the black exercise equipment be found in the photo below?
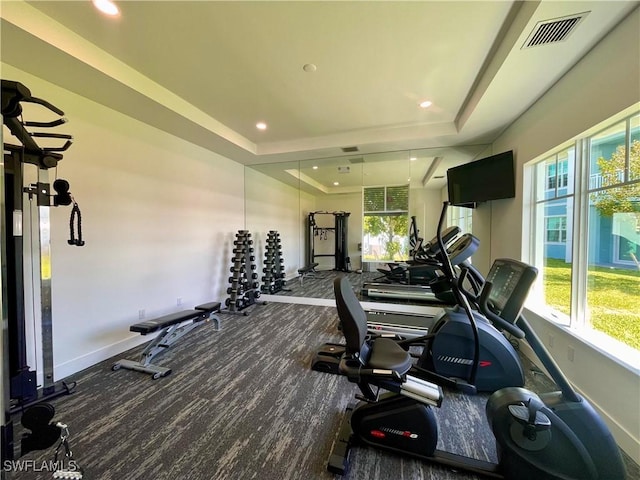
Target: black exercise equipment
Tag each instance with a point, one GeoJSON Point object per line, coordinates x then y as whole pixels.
{"type": "Point", "coordinates": [448, 342]}
{"type": "Point", "coordinates": [23, 390]}
{"type": "Point", "coordinates": [41, 432]}
{"type": "Point", "coordinates": [244, 289]}
{"type": "Point", "coordinates": [172, 327]}
{"type": "Point", "coordinates": [473, 356]}
{"type": "Point", "coordinates": [424, 264]}
{"type": "Point", "coordinates": [308, 271]}
{"type": "Point", "coordinates": [67, 468]}
{"type": "Point", "coordinates": [448, 350]}
{"type": "Point", "coordinates": [550, 436]}
{"type": "Point", "coordinates": [64, 197]}
{"type": "Point", "coordinates": [340, 231]}
{"type": "Point", "coordinates": [274, 276]}
{"type": "Point", "coordinates": [438, 288]}
{"type": "Point", "coordinates": [380, 323]}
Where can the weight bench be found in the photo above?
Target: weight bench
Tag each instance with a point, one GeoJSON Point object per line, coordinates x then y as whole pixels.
{"type": "Point", "coordinates": [172, 328]}
{"type": "Point", "coordinates": [307, 271]}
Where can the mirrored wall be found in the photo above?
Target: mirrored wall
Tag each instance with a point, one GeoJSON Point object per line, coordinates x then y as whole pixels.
{"type": "Point", "coordinates": [280, 196]}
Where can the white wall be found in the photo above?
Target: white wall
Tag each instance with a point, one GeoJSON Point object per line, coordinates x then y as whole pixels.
{"type": "Point", "coordinates": [272, 205]}
{"type": "Point", "coordinates": [159, 215]}
{"type": "Point", "coordinates": [426, 206]}
{"type": "Point", "coordinates": [602, 84]}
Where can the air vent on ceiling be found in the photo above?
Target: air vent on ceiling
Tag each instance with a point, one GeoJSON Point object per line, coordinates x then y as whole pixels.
{"type": "Point", "coordinates": [346, 169]}
{"type": "Point", "coordinates": [553, 31]}
{"type": "Point", "coordinates": [349, 149]}
{"type": "Point", "coordinates": [356, 160]}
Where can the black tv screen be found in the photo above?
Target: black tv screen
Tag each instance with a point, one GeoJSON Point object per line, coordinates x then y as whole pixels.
{"type": "Point", "coordinates": [491, 178]}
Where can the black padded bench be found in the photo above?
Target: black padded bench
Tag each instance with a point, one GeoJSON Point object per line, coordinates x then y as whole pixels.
{"type": "Point", "coordinates": [307, 271]}
{"type": "Point", "coordinates": [172, 327]}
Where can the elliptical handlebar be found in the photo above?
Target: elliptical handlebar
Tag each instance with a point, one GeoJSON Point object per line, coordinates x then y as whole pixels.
{"type": "Point", "coordinates": [483, 305]}
{"type": "Point", "coordinates": [461, 298]}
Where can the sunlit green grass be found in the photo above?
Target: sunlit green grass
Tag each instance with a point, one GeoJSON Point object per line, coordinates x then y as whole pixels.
{"type": "Point", "coordinates": [613, 298]}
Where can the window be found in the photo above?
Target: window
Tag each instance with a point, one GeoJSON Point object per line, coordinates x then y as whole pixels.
{"type": "Point", "coordinates": [461, 217]}
{"type": "Point", "coordinates": [386, 223]}
{"type": "Point", "coordinates": [556, 229]}
{"type": "Point", "coordinates": [554, 204]}
{"type": "Point", "coordinates": [557, 174]}
{"type": "Point", "coordinates": [591, 280]}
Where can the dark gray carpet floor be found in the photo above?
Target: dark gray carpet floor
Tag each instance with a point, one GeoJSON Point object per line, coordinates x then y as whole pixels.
{"type": "Point", "coordinates": [242, 403]}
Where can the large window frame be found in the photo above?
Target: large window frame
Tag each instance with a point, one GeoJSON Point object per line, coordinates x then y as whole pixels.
{"type": "Point", "coordinates": [579, 187]}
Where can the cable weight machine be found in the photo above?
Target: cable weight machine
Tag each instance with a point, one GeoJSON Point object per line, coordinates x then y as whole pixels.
{"type": "Point", "coordinates": [340, 231]}
{"type": "Point", "coordinates": [21, 392]}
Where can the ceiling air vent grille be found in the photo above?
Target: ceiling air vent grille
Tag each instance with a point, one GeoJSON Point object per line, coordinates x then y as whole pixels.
{"type": "Point", "coordinates": [349, 149]}
{"type": "Point", "coordinates": [553, 31]}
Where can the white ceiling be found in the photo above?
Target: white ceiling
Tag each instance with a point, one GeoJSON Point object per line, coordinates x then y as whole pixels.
{"type": "Point", "coordinates": [208, 71]}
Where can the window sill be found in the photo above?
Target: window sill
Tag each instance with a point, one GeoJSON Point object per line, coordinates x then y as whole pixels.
{"type": "Point", "coordinates": [619, 352]}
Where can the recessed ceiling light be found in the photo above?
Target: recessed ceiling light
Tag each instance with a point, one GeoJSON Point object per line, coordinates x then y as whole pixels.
{"type": "Point", "coordinates": [426, 104]}
{"type": "Point", "coordinates": [261, 126]}
{"type": "Point", "coordinates": [107, 7]}
{"type": "Point", "coordinates": [309, 67]}
{"type": "Point", "coordinates": [336, 183]}
{"type": "Point", "coordinates": [413, 159]}
{"type": "Point", "coordinates": [315, 167]}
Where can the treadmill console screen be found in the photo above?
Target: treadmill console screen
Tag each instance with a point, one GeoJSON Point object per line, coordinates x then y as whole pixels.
{"type": "Point", "coordinates": [511, 281]}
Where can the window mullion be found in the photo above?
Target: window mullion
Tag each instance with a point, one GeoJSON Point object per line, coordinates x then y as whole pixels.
{"type": "Point", "coordinates": [579, 241]}
{"type": "Point", "coordinates": [626, 175]}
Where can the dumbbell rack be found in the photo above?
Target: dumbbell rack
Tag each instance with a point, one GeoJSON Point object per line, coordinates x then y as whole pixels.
{"type": "Point", "coordinates": [273, 280]}
{"type": "Point", "coordinates": [243, 291]}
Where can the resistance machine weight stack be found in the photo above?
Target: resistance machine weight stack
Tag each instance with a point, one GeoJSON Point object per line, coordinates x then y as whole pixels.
{"type": "Point", "coordinates": [244, 290]}
{"type": "Point", "coordinates": [273, 280]}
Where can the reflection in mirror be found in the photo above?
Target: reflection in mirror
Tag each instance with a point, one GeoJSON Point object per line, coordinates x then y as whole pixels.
{"type": "Point", "coordinates": [273, 201]}
{"type": "Point", "coordinates": [376, 190]}
{"type": "Point", "coordinates": [385, 209]}
{"type": "Point", "coordinates": [336, 184]}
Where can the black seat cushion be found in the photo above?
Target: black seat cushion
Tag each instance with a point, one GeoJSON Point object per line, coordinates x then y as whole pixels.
{"type": "Point", "coordinates": [386, 354]}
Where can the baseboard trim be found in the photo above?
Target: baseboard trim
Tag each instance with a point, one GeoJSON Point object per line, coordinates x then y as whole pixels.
{"type": "Point", "coordinates": [72, 367]}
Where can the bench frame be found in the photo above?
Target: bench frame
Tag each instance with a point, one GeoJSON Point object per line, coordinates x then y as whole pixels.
{"type": "Point", "coordinates": [307, 271]}
{"type": "Point", "coordinates": [167, 337]}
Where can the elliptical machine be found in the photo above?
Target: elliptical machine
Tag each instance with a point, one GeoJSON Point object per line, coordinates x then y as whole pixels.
{"type": "Point", "coordinates": [477, 358]}
{"type": "Point", "coordinates": [552, 436]}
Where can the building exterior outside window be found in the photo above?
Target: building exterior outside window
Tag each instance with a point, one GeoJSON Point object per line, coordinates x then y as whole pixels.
{"type": "Point", "coordinates": [587, 231]}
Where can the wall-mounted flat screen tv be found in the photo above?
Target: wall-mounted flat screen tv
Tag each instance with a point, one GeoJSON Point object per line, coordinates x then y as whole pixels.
{"type": "Point", "coordinates": [490, 178]}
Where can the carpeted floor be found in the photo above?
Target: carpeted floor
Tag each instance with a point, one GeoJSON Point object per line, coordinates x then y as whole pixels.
{"type": "Point", "coordinates": [242, 403]}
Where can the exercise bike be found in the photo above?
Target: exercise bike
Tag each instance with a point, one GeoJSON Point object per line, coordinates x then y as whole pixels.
{"type": "Point", "coordinates": [556, 435]}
